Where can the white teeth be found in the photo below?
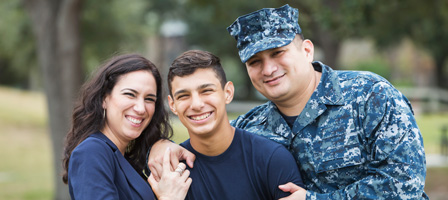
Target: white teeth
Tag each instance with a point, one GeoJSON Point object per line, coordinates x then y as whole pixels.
{"type": "Point", "coordinates": [135, 121]}
{"type": "Point", "coordinates": [201, 117]}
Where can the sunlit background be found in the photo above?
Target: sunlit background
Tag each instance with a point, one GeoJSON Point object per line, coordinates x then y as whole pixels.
{"type": "Point", "coordinates": [48, 48]}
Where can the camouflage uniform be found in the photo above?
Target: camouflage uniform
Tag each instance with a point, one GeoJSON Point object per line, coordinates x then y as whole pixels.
{"type": "Point", "coordinates": [356, 138]}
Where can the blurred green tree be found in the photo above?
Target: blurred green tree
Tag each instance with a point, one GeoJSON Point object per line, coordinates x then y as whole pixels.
{"type": "Point", "coordinates": [17, 50]}
{"type": "Point", "coordinates": [424, 22]}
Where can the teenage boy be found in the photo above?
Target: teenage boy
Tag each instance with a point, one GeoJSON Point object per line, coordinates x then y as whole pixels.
{"type": "Point", "coordinates": [230, 163]}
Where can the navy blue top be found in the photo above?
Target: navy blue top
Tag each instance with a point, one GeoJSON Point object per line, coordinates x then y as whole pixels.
{"type": "Point", "coordinates": [251, 168]}
{"type": "Point", "coordinates": [97, 170]}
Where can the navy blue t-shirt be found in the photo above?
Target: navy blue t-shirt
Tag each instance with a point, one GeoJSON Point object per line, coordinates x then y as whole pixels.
{"type": "Point", "coordinates": [251, 168]}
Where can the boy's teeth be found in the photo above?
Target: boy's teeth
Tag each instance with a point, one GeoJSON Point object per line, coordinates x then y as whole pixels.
{"type": "Point", "coordinates": [135, 121]}
{"type": "Point", "coordinates": [201, 117]}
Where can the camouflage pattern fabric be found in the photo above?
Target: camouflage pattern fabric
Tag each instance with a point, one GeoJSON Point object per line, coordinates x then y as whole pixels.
{"type": "Point", "coordinates": [264, 29]}
{"type": "Point", "coordinates": [356, 138]}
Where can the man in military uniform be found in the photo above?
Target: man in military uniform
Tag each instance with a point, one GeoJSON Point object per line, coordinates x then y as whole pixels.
{"type": "Point", "coordinates": [353, 135]}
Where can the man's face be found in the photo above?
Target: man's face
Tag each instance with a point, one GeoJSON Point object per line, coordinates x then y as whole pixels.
{"type": "Point", "coordinates": [200, 102]}
{"type": "Point", "coordinates": [281, 74]}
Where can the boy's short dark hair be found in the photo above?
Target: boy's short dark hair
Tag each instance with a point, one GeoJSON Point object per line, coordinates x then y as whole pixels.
{"type": "Point", "coordinates": [189, 61]}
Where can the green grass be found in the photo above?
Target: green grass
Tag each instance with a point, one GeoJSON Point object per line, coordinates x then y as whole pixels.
{"type": "Point", "coordinates": [26, 159]}
{"type": "Point", "coordinates": [25, 148]}
{"type": "Point", "coordinates": [431, 129]}
{"type": "Point", "coordinates": [22, 108]}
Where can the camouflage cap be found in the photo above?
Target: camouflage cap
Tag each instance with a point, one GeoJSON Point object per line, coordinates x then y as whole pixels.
{"type": "Point", "coordinates": [265, 29]}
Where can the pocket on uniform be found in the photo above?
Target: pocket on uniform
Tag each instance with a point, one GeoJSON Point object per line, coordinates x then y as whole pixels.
{"type": "Point", "coordinates": [337, 151]}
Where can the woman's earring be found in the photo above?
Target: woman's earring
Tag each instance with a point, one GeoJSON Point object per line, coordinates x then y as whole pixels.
{"type": "Point", "coordinates": [104, 113]}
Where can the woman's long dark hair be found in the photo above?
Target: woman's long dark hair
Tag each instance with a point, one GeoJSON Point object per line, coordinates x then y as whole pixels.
{"type": "Point", "coordinates": [88, 111]}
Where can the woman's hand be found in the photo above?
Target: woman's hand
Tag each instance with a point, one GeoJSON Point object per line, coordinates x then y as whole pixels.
{"type": "Point", "coordinates": [177, 153]}
{"type": "Point", "coordinates": [173, 184]}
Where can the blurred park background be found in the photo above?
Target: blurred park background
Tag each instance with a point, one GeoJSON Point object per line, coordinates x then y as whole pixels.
{"type": "Point", "coordinates": [48, 48]}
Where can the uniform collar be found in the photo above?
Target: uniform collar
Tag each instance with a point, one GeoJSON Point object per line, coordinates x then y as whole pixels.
{"type": "Point", "coordinates": [328, 91]}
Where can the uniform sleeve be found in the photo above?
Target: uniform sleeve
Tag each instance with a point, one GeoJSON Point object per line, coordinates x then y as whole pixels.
{"type": "Point", "coordinates": [282, 168]}
{"type": "Point", "coordinates": [397, 166]}
{"type": "Point", "coordinates": [91, 172]}
{"type": "Point", "coordinates": [237, 122]}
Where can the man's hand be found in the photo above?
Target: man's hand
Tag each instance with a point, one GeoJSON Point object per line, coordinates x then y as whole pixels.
{"type": "Point", "coordinates": [297, 193]}
{"type": "Point", "coordinates": [155, 159]}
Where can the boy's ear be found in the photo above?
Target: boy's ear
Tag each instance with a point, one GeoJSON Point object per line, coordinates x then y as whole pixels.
{"type": "Point", "coordinates": [171, 104]}
{"type": "Point", "coordinates": [229, 91]}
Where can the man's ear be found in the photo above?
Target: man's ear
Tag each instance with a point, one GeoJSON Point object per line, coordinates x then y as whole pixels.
{"type": "Point", "coordinates": [171, 104]}
{"type": "Point", "coordinates": [308, 47]}
{"type": "Point", "coordinates": [229, 91]}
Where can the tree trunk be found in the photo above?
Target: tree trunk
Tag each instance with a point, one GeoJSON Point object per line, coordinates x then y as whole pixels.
{"type": "Point", "coordinates": [331, 48]}
{"type": "Point", "coordinates": [56, 28]}
{"type": "Point", "coordinates": [440, 73]}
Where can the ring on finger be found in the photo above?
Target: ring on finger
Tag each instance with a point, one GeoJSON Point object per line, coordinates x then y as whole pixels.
{"type": "Point", "coordinates": [179, 170]}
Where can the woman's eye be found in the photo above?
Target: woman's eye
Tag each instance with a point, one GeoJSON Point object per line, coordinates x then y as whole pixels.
{"type": "Point", "coordinates": [150, 99]}
{"type": "Point", "coordinates": [129, 94]}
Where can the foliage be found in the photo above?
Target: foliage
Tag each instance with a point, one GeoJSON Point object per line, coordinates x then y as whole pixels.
{"type": "Point", "coordinates": [108, 27]}
{"type": "Point", "coordinates": [425, 22]}
{"type": "Point", "coordinates": [111, 27]}
{"type": "Point", "coordinates": [17, 49]}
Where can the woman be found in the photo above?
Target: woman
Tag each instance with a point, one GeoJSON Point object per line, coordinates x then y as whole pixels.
{"type": "Point", "coordinates": [119, 115]}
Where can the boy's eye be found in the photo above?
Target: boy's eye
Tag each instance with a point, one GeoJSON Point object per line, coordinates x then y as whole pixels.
{"type": "Point", "coordinates": [181, 96]}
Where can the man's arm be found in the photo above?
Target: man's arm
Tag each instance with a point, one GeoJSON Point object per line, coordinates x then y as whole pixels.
{"type": "Point", "coordinates": [155, 157]}
{"type": "Point", "coordinates": [396, 168]}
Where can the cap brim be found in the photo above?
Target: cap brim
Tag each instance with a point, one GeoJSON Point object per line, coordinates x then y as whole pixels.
{"type": "Point", "coordinates": [265, 44]}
